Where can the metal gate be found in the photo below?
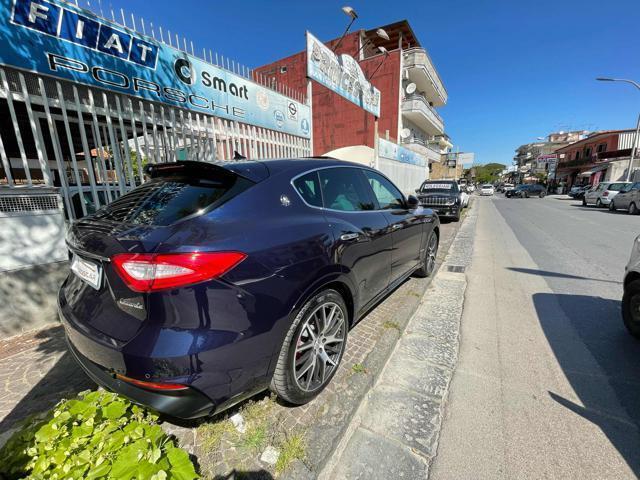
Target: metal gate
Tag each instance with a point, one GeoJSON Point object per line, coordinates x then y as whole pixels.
{"type": "Point", "coordinates": [93, 144]}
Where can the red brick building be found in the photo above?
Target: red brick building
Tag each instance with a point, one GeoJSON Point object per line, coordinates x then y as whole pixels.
{"type": "Point", "coordinates": [339, 123]}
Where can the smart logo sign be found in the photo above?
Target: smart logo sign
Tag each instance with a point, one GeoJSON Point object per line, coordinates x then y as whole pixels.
{"type": "Point", "coordinates": [58, 39]}
{"type": "Point", "coordinates": [342, 75]}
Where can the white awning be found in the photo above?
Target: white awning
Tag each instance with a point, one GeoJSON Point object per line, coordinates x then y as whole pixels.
{"type": "Point", "coordinates": [597, 169]}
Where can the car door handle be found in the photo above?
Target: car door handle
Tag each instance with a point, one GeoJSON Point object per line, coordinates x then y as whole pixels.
{"type": "Point", "coordinates": [345, 237]}
{"type": "Point", "coordinates": [396, 226]}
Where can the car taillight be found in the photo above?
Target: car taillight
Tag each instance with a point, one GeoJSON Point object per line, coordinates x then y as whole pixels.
{"type": "Point", "coordinates": [605, 194]}
{"type": "Point", "coordinates": [148, 272]}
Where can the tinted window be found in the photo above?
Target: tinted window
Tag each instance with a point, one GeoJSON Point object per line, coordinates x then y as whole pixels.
{"type": "Point", "coordinates": [163, 201]}
{"type": "Point", "coordinates": [308, 186]}
{"type": "Point", "coordinates": [616, 187]}
{"type": "Point", "coordinates": [345, 189]}
{"type": "Point", "coordinates": [387, 195]}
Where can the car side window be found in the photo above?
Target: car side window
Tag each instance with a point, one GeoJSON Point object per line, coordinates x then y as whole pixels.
{"type": "Point", "coordinates": [345, 189]}
{"type": "Point", "coordinates": [308, 186]}
{"type": "Point", "coordinates": [385, 192]}
{"type": "Point", "coordinates": [635, 186]}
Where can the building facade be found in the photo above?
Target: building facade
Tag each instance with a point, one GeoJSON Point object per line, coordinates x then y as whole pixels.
{"type": "Point", "coordinates": [410, 86]}
{"type": "Point", "coordinates": [602, 156]}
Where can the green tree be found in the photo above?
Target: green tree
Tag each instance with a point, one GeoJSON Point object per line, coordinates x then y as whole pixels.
{"type": "Point", "coordinates": [488, 173]}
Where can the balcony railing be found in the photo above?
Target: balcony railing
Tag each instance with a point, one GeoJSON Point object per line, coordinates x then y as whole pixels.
{"type": "Point", "coordinates": [418, 57]}
{"type": "Point", "coordinates": [418, 103]}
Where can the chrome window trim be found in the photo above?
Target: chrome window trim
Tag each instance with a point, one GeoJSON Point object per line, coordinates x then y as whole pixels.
{"type": "Point", "coordinates": [317, 169]}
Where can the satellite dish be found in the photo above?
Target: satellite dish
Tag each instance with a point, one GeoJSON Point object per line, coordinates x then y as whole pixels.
{"type": "Point", "coordinates": [411, 88]}
{"type": "Point", "coordinates": [405, 133]}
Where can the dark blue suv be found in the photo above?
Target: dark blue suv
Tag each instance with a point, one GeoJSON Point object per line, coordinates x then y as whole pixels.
{"type": "Point", "coordinates": [213, 281]}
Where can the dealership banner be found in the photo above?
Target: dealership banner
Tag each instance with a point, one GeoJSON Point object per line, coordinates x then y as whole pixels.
{"type": "Point", "coordinates": [341, 74]}
{"type": "Point", "coordinates": [395, 152]}
{"type": "Point", "coordinates": [57, 39]}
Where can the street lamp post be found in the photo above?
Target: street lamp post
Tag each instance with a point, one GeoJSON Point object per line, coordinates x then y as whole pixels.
{"type": "Point", "coordinates": [632, 155]}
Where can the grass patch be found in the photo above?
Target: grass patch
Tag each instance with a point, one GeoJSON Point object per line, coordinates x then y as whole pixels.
{"type": "Point", "coordinates": [255, 437]}
{"type": "Point", "coordinates": [389, 324]}
{"type": "Point", "coordinates": [358, 368]}
{"type": "Point", "coordinates": [211, 434]}
{"type": "Point", "coordinates": [293, 448]}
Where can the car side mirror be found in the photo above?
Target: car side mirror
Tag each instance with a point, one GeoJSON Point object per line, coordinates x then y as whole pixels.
{"type": "Point", "coordinates": [417, 190]}
{"type": "Point", "coordinates": [412, 202]}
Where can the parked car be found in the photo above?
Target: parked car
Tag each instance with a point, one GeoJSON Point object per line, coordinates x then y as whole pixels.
{"type": "Point", "coordinates": [631, 295]}
{"type": "Point", "coordinates": [471, 188]}
{"type": "Point", "coordinates": [464, 198]}
{"type": "Point", "coordinates": [527, 190]}
{"type": "Point", "coordinates": [578, 191]}
{"type": "Point", "coordinates": [628, 198]}
{"type": "Point", "coordinates": [213, 281]}
{"type": "Point", "coordinates": [507, 187]}
{"type": "Point", "coordinates": [487, 189]}
{"type": "Point", "coordinates": [602, 195]}
{"type": "Point", "coordinates": [443, 196]}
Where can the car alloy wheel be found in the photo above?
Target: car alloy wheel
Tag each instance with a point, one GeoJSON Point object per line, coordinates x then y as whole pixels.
{"type": "Point", "coordinates": [631, 308]}
{"type": "Point", "coordinates": [598, 203]}
{"type": "Point", "coordinates": [633, 210]}
{"type": "Point", "coordinates": [612, 206]}
{"type": "Point", "coordinates": [430, 257]}
{"type": "Point", "coordinates": [312, 349]}
{"type": "Point", "coordinates": [319, 346]}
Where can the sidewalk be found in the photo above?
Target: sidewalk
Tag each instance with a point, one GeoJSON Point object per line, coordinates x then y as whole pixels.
{"type": "Point", "coordinates": [395, 432]}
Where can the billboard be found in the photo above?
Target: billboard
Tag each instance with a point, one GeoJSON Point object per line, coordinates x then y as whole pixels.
{"type": "Point", "coordinates": [58, 39]}
{"type": "Point", "coordinates": [395, 152]}
{"type": "Point", "coordinates": [342, 75]}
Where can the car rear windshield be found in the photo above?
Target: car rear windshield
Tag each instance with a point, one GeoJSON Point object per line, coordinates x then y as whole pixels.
{"type": "Point", "coordinates": [616, 187]}
{"type": "Point", "coordinates": [487, 186]}
{"type": "Point", "coordinates": [439, 187]}
{"type": "Point", "coordinates": [165, 200]}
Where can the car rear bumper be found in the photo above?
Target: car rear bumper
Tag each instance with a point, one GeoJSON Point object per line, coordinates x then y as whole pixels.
{"type": "Point", "coordinates": [102, 364]}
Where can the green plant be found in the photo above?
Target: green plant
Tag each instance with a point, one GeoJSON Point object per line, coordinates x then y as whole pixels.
{"type": "Point", "coordinates": [291, 449]}
{"type": "Point", "coordinates": [391, 325]}
{"type": "Point", "coordinates": [95, 435]}
{"type": "Point", "coordinates": [358, 368]}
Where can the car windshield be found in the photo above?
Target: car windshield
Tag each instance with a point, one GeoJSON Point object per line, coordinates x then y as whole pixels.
{"type": "Point", "coordinates": [438, 187]}
{"type": "Point", "coordinates": [487, 186]}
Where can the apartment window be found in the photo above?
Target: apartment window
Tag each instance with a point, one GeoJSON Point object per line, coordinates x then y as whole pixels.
{"type": "Point", "coordinates": [578, 155]}
{"type": "Point", "coordinates": [283, 69]}
{"type": "Point", "coordinates": [601, 148]}
{"type": "Point", "coordinates": [587, 152]}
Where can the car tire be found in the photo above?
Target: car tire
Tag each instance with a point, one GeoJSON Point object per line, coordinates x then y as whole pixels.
{"type": "Point", "coordinates": [431, 252]}
{"type": "Point", "coordinates": [631, 308]}
{"type": "Point", "coordinates": [612, 206]}
{"type": "Point", "coordinates": [584, 202]}
{"type": "Point", "coordinates": [633, 209]}
{"type": "Point", "coordinates": [598, 203]}
{"type": "Point", "coordinates": [290, 381]}
{"type": "Point", "coordinates": [456, 217]}
{"type": "Point", "coordinates": [525, 194]}
{"type": "Point", "coordinates": [542, 194]}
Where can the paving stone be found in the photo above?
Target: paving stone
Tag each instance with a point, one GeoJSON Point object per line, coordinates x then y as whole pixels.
{"type": "Point", "coordinates": [408, 417]}
{"type": "Point", "coordinates": [369, 457]}
{"type": "Point", "coordinates": [414, 375]}
{"type": "Point", "coordinates": [423, 348]}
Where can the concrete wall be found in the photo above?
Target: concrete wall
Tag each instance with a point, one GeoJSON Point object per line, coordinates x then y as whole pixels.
{"type": "Point", "coordinates": [406, 176]}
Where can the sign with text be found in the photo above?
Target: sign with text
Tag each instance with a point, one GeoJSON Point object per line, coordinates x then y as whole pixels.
{"type": "Point", "coordinates": [342, 75]}
{"type": "Point", "coordinates": [393, 151]}
{"type": "Point", "coordinates": [57, 39]}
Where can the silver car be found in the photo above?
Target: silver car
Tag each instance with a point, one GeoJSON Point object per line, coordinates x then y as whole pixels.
{"type": "Point", "coordinates": [602, 195]}
{"type": "Point", "coordinates": [631, 296]}
{"type": "Point", "coordinates": [628, 198]}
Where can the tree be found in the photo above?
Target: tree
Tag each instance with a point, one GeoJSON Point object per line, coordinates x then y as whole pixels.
{"type": "Point", "coordinates": [488, 173]}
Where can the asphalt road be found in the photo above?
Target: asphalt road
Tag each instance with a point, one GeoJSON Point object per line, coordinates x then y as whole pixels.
{"type": "Point", "coordinates": [548, 380]}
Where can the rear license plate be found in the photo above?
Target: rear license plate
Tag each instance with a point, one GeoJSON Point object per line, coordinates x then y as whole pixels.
{"type": "Point", "coordinates": [88, 271]}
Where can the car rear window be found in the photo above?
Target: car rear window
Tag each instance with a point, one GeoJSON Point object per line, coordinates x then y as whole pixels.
{"type": "Point", "coordinates": [616, 187]}
{"type": "Point", "coordinates": [165, 200]}
{"type": "Point", "coordinates": [308, 186]}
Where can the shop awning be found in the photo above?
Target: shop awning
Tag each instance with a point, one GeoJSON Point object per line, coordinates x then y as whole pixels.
{"type": "Point", "coordinates": [593, 170]}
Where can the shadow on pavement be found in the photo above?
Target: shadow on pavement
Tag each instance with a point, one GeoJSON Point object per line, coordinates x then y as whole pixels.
{"type": "Point", "coordinates": [545, 273]}
{"type": "Point", "coordinates": [597, 322]}
{"type": "Point", "coordinates": [236, 474]}
{"type": "Point", "coordinates": [64, 379]}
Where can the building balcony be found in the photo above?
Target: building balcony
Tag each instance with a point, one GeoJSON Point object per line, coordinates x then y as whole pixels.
{"type": "Point", "coordinates": [420, 70]}
{"type": "Point", "coordinates": [417, 109]}
{"type": "Point", "coordinates": [422, 147]}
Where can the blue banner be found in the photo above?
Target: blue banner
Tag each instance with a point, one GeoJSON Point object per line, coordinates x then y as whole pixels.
{"type": "Point", "coordinates": [58, 39]}
{"type": "Point", "coordinates": [395, 152]}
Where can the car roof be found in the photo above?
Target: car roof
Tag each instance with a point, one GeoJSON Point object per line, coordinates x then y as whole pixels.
{"type": "Point", "coordinates": [294, 165]}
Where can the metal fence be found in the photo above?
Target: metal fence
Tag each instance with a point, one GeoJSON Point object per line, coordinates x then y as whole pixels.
{"type": "Point", "coordinates": [93, 143]}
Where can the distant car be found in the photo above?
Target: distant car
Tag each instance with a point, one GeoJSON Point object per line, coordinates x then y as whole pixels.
{"type": "Point", "coordinates": [578, 191]}
{"type": "Point", "coordinates": [628, 198]}
{"type": "Point", "coordinates": [507, 187]}
{"type": "Point", "coordinates": [526, 191]}
{"type": "Point", "coordinates": [464, 198]}
{"type": "Point", "coordinates": [602, 195]}
{"type": "Point", "coordinates": [487, 189]}
{"type": "Point", "coordinates": [471, 188]}
{"type": "Point", "coordinates": [442, 196]}
{"type": "Point", "coordinates": [631, 295]}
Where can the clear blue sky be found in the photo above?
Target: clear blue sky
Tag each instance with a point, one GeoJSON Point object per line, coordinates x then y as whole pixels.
{"type": "Point", "coordinates": [514, 69]}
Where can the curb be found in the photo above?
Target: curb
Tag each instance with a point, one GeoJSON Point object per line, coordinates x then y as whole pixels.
{"type": "Point", "coordinates": [332, 432]}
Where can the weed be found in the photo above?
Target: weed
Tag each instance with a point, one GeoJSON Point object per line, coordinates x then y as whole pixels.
{"type": "Point", "coordinates": [358, 368]}
{"type": "Point", "coordinates": [390, 324]}
{"type": "Point", "coordinates": [293, 448]}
